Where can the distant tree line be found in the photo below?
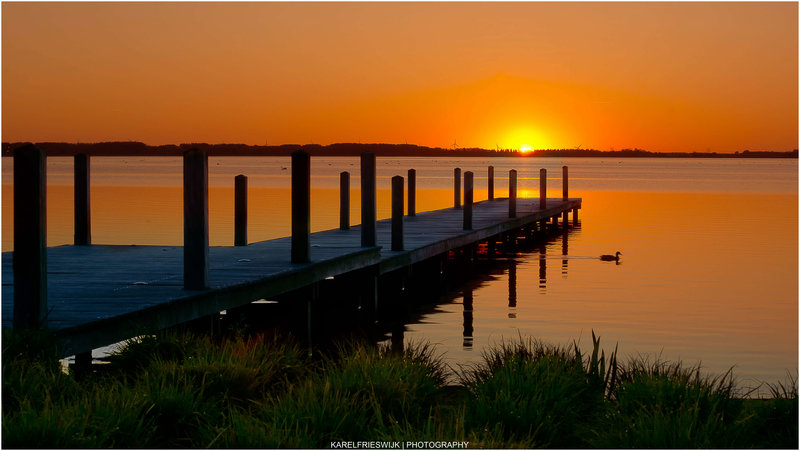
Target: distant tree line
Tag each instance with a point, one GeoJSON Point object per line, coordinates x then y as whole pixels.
{"type": "Point", "coordinates": [132, 148]}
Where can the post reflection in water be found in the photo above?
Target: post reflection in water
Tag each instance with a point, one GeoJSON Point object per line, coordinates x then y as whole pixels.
{"type": "Point", "coordinates": [543, 268]}
{"type": "Point", "coordinates": [398, 337]}
{"type": "Point", "coordinates": [564, 261]}
{"type": "Point", "coordinates": [467, 318]}
{"type": "Point", "coordinates": [512, 288]}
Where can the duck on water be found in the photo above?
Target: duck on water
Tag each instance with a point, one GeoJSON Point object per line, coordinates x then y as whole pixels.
{"type": "Point", "coordinates": [611, 258]}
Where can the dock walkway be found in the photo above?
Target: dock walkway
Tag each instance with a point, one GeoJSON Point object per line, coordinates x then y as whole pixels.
{"type": "Point", "coordinates": [101, 294]}
{"type": "Point", "coordinates": [91, 296]}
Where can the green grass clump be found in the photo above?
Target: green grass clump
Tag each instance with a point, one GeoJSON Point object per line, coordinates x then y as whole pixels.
{"type": "Point", "coordinates": [664, 405]}
{"type": "Point", "coordinates": [175, 390]}
{"type": "Point", "coordinates": [536, 395]}
{"type": "Point", "coordinates": [360, 392]}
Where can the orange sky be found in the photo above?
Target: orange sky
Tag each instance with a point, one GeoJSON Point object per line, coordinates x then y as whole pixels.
{"type": "Point", "coordinates": [659, 76]}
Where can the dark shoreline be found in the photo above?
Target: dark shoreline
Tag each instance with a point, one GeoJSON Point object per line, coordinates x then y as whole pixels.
{"type": "Point", "coordinates": [129, 149]}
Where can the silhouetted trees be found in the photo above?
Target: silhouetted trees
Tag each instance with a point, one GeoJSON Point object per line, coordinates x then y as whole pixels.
{"type": "Point", "coordinates": [132, 148]}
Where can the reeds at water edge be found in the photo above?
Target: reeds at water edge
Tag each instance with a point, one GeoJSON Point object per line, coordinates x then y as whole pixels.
{"type": "Point", "coordinates": [182, 390]}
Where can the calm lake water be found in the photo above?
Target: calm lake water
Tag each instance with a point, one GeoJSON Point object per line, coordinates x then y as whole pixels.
{"type": "Point", "coordinates": [709, 272]}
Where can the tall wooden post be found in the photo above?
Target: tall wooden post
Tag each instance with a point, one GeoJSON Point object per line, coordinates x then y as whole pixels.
{"type": "Point", "coordinates": [397, 213]}
{"type": "Point", "coordinates": [542, 188]}
{"type": "Point", "coordinates": [368, 200]}
{"type": "Point", "coordinates": [301, 207]}
{"type": "Point", "coordinates": [468, 186]}
{"type": "Point", "coordinates": [490, 187]}
{"type": "Point", "coordinates": [457, 188]}
{"type": "Point", "coordinates": [240, 210]}
{"type": "Point", "coordinates": [30, 238]}
{"type": "Point", "coordinates": [512, 193]}
{"type": "Point", "coordinates": [574, 217]}
{"type": "Point", "coordinates": [344, 200]}
{"type": "Point", "coordinates": [565, 182]}
{"type": "Point", "coordinates": [83, 222]}
{"type": "Point", "coordinates": [195, 219]}
{"type": "Point", "coordinates": [412, 192]}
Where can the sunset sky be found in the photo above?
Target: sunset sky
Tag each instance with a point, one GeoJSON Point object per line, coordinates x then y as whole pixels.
{"type": "Point", "coordinates": [659, 76]}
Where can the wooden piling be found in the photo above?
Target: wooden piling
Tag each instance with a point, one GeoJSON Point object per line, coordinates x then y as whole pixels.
{"type": "Point", "coordinates": [565, 182]}
{"type": "Point", "coordinates": [542, 188]}
{"type": "Point", "coordinates": [344, 200]}
{"type": "Point", "coordinates": [368, 200]}
{"type": "Point", "coordinates": [83, 364]}
{"type": "Point", "coordinates": [83, 223]}
{"type": "Point", "coordinates": [457, 188]}
{"type": "Point", "coordinates": [30, 238]}
{"type": "Point", "coordinates": [397, 213]}
{"type": "Point", "coordinates": [240, 210]}
{"type": "Point", "coordinates": [301, 207]}
{"type": "Point", "coordinates": [412, 192]}
{"type": "Point", "coordinates": [195, 219]}
{"type": "Point", "coordinates": [468, 186]}
{"type": "Point", "coordinates": [512, 193]}
{"type": "Point", "coordinates": [574, 217]}
{"type": "Point", "coordinates": [490, 183]}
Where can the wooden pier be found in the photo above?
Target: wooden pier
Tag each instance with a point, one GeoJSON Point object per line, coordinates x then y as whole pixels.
{"type": "Point", "coordinates": [95, 295]}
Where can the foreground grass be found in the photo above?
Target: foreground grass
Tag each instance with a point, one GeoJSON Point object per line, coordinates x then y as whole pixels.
{"type": "Point", "coordinates": [188, 391]}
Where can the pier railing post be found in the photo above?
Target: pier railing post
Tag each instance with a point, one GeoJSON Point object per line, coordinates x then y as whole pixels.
{"type": "Point", "coordinates": [195, 219]}
{"type": "Point", "coordinates": [301, 207]}
{"type": "Point", "coordinates": [83, 223]}
{"type": "Point", "coordinates": [412, 192]}
{"type": "Point", "coordinates": [344, 200]}
{"type": "Point", "coordinates": [490, 187]}
{"type": "Point", "coordinates": [457, 188]}
{"type": "Point", "coordinates": [397, 213]}
{"type": "Point", "coordinates": [368, 200]}
{"type": "Point", "coordinates": [512, 193]}
{"type": "Point", "coordinates": [468, 188]}
{"type": "Point", "coordinates": [30, 238]}
{"type": "Point", "coordinates": [240, 210]}
{"type": "Point", "coordinates": [542, 188]}
{"type": "Point", "coordinates": [565, 196]}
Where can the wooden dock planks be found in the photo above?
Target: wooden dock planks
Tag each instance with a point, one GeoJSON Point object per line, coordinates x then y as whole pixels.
{"type": "Point", "coordinates": [101, 294]}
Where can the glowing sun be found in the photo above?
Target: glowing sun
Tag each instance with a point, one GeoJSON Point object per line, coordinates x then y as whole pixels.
{"type": "Point", "coordinates": [525, 148]}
